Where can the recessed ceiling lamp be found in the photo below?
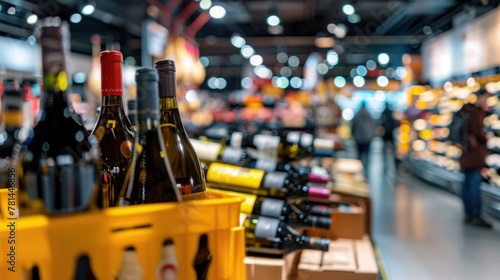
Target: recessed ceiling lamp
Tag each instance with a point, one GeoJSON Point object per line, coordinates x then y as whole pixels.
{"type": "Point", "coordinates": [273, 20]}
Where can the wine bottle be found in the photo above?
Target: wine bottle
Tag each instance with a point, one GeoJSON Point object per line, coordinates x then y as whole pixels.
{"type": "Point", "coordinates": [131, 268]}
{"type": "Point", "coordinates": [168, 268]}
{"type": "Point", "coordinates": [214, 152]}
{"type": "Point", "coordinates": [113, 131]}
{"type": "Point", "coordinates": [60, 163]}
{"type": "Point", "coordinates": [273, 236]}
{"type": "Point", "coordinates": [287, 146]}
{"type": "Point", "coordinates": [10, 129]}
{"type": "Point", "coordinates": [132, 112]}
{"type": "Point", "coordinates": [183, 160]}
{"type": "Point", "coordinates": [315, 208]}
{"type": "Point", "coordinates": [279, 208]}
{"type": "Point", "coordinates": [83, 269]}
{"type": "Point", "coordinates": [149, 178]}
{"type": "Point", "coordinates": [203, 258]}
{"type": "Point", "coordinates": [258, 182]}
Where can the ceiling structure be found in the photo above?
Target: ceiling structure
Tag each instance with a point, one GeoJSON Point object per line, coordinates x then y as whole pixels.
{"type": "Point", "coordinates": [393, 26]}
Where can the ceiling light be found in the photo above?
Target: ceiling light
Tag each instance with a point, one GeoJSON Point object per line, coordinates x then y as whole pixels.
{"type": "Point", "coordinates": [256, 60]}
{"type": "Point", "coordinates": [191, 95]}
{"type": "Point", "coordinates": [359, 81]}
{"type": "Point", "coordinates": [324, 42]}
{"type": "Point", "coordinates": [362, 71]}
{"type": "Point", "coordinates": [354, 73]}
{"type": "Point", "coordinates": [246, 83]}
{"type": "Point", "coordinates": [339, 81]}
{"type": "Point", "coordinates": [205, 4]}
{"type": "Point", "coordinates": [332, 57]}
{"type": "Point", "coordinates": [262, 72]}
{"type": "Point", "coordinates": [331, 27]}
{"type": "Point", "coordinates": [75, 18]}
{"type": "Point", "coordinates": [322, 68]}
{"type": "Point", "coordinates": [286, 72]}
{"type": "Point", "coordinates": [383, 58]}
{"type": "Point", "coordinates": [354, 18]}
{"type": "Point", "coordinates": [238, 41]}
{"type": "Point", "coordinates": [282, 57]}
{"type": "Point", "coordinates": [340, 31]}
{"type": "Point", "coordinates": [204, 61]}
{"type": "Point", "coordinates": [427, 30]}
{"type": "Point", "coordinates": [347, 114]}
{"type": "Point", "coordinates": [221, 83]}
{"type": "Point", "coordinates": [401, 72]}
{"type": "Point", "coordinates": [371, 65]}
{"type": "Point", "coordinates": [391, 73]}
{"type": "Point", "coordinates": [11, 11]}
{"type": "Point", "coordinates": [293, 61]}
{"type": "Point", "coordinates": [282, 82]}
{"type": "Point", "coordinates": [212, 81]}
{"type": "Point", "coordinates": [247, 51]}
{"type": "Point", "coordinates": [273, 20]}
{"type": "Point", "coordinates": [348, 9]}
{"type": "Point", "coordinates": [382, 81]}
{"type": "Point", "coordinates": [296, 82]}
{"type": "Point", "coordinates": [88, 9]}
{"type": "Point", "coordinates": [32, 19]}
{"type": "Point", "coordinates": [217, 12]}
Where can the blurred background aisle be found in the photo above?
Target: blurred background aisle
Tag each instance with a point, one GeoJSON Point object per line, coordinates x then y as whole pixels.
{"type": "Point", "coordinates": [419, 231]}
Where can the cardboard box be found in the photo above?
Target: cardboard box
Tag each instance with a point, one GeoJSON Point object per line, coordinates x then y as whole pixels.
{"type": "Point", "coordinates": [346, 260]}
{"type": "Point", "coordinates": [350, 225]}
{"type": "Point", "coordinates": [261, 268]}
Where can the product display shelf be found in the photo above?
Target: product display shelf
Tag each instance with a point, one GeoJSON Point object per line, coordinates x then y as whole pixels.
{"type": "Point", "coordinates": [491, 199]}
{"type": "Point", "coordinates": [448, 180]}
{"type": "Point", "coordinates": [54, 244]}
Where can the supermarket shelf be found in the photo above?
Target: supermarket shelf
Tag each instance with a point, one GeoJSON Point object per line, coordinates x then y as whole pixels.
{"type": "Point", "coordinates": [448, 180]}
{"type": "Point", "coordinates": [491, 200]}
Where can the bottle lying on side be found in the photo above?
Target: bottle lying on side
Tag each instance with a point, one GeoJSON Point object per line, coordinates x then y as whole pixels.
{"type": "Point", "coordinates": [267, 235]}
{"type": "Point", "coordinates": [287, 146]}
{"type": "Point", "coordinates": [214, 152]}
{"type": "Point", "coordinates": [258, 182]}
{"type": "Point", "coordinates": [279, 208]}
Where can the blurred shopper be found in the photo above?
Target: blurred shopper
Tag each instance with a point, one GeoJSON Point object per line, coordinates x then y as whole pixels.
{"type": "Point", "coordinates": [473, 158]}
{"type": "Point", "coordinates": [388, 123]}
{"type": "Point", "coordinates": [363, 128]}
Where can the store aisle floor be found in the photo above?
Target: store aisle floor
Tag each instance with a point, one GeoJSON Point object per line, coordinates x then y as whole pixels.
{"type": "Point", "coordinates": [420, 233]}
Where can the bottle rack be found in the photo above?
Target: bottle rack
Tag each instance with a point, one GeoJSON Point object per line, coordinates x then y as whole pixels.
{"type": "Point", "coordinates": [55, 243]}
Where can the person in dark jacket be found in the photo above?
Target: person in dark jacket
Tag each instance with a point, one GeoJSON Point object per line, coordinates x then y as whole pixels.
{"type": "Point", "coordinates": [388, 123]}
{"type": "Point", "coordinates": [363, 128]}
{"type": "Point", "coordinates": [473, 159]}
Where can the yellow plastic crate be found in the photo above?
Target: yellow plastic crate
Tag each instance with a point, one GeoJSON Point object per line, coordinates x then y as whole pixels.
{"type": "Point", "coordinates": [55, 243]}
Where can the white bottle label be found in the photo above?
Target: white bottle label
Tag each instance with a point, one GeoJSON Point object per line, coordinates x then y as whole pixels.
{"type": "Point", "coordinates": [231, 155]}
{"type": "Point", "coordinates": [236, 139]}
{"type": "Point", "coordinates": [266, 164]}
{"type": "Point", "coordinates": [267, 144]}
{"type": "Point", "coordinates": [293, 137]}
{"type": "Point", "coordinates": [275, 180]}
{"type": "Point", "coordinates": [306, 140]}
{"type": "Point", "coordinates": [323, 144]}
{"type": "Point", "coordinates": [131, 268]}
{"type": "Point", "coordinates": [266, 227]}
{"type": "Point", "coordinates": [272, 207]}
{"type": "Point", "coordinates": [168, 268]}
{"type": "Point", "coordinates": [206, 151]}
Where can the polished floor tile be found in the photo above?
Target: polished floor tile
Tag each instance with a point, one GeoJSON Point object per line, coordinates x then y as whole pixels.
{"type": "Point", "coordinates": [420, 233]}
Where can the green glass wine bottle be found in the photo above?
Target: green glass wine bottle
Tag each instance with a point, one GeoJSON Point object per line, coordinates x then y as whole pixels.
{"type": "Point", "coordinates": [149, 178]}
{"type": "Point", "coordinates": [181, 154]}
